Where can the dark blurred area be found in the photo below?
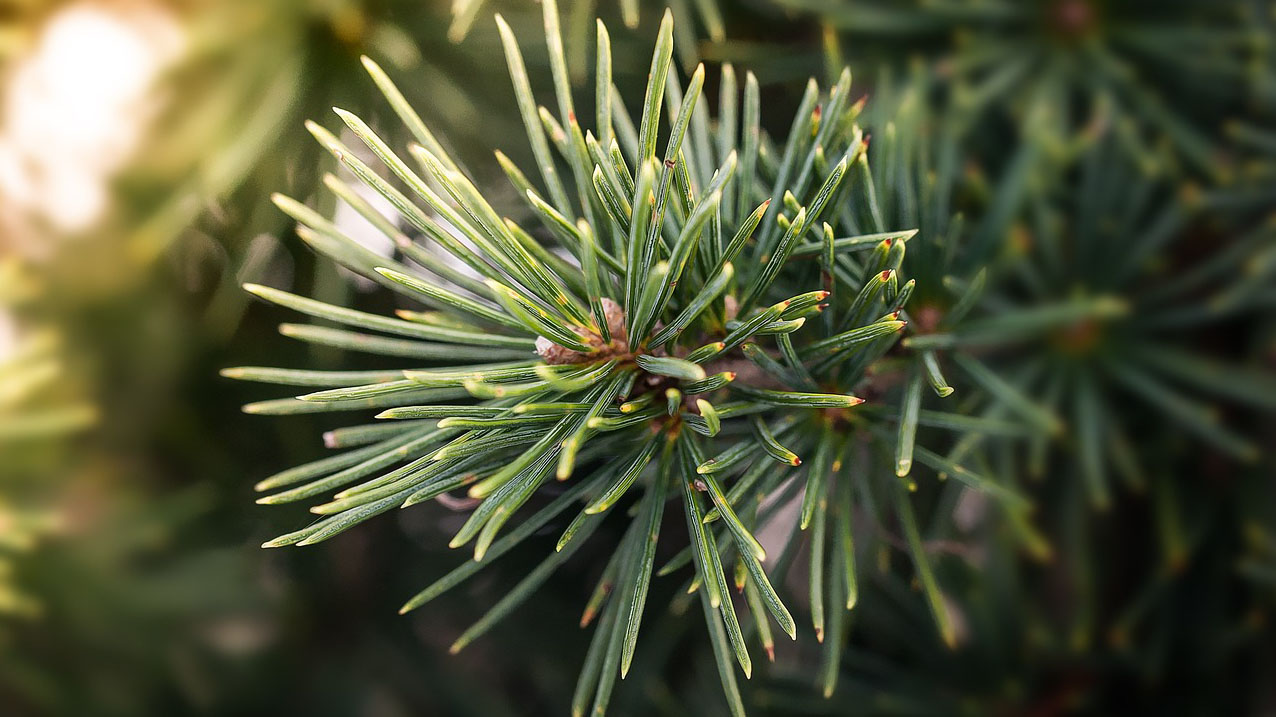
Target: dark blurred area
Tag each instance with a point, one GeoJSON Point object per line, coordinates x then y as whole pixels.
{"type": "Point", "coordinates": [140, 141]}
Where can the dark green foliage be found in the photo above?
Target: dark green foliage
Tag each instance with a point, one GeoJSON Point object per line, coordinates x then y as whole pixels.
{"type": "Point", "coordinates": [708, 317]}
{"type": "Point", "coordinates": [1057, 67]}
{"type": "Point", "coordinates": [684, 308]}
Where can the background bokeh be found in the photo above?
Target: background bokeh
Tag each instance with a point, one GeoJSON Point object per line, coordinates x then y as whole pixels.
{"type": "Point", "coordinates": [140, 141]}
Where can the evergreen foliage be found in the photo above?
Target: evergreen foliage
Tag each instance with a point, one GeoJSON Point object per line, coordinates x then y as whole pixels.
{"type": "Point", "coordinates": [699, 329]}
{"type": "Point", "coordinates": [773, 332]}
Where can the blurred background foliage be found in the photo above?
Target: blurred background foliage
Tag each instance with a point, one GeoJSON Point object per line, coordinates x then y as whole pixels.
{"type": "Point", "coordinates": [140, 141]}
